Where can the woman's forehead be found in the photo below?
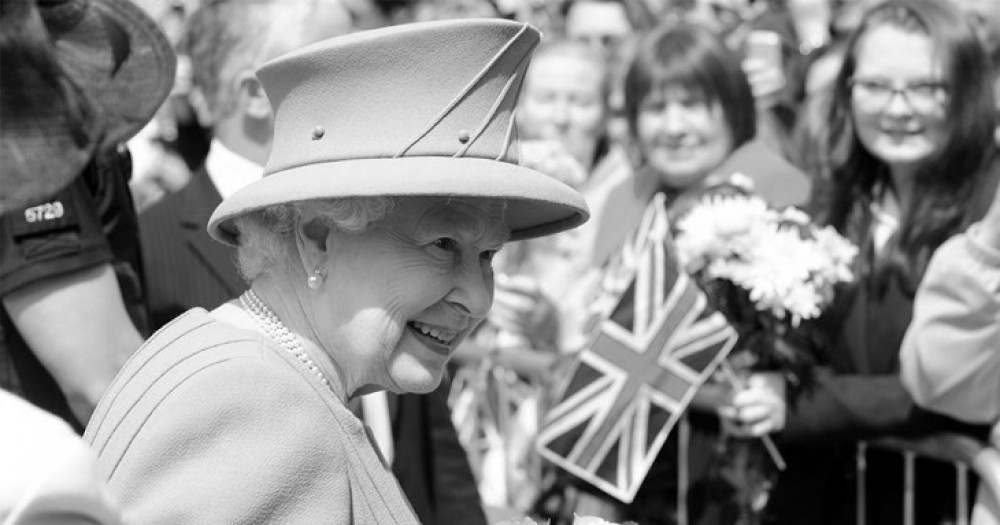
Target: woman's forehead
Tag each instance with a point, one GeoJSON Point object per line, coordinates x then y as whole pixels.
{"type": "Point", "coordinates": [481, 219]}
{"type": "Point", "coordinates": [889, 50]}
{"type": "Point", "coordinates": [676, 90]}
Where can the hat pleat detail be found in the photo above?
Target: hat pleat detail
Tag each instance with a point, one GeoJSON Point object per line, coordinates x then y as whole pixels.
{"type": "Point", "coordinates": [465, 91]}
{"type": "Point", "coordinates": [489, 117]}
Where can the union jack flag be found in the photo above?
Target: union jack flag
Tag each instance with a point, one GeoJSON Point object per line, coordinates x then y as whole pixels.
{"type": "Point", "coordinates": [656, 342]}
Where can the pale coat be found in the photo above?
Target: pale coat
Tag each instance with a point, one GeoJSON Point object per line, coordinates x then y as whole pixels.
{"type": "Point", "coordinates": [950, 359]}
{"type": "Point", "coordinates": [211, 423]}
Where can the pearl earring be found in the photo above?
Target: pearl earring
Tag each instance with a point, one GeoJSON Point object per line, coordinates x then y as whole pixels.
{"type": "Point", "coordinates": [315, 279]}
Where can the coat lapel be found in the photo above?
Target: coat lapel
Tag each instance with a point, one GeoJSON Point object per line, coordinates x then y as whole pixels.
{"type": "Point", "coordinates": [199, 202]}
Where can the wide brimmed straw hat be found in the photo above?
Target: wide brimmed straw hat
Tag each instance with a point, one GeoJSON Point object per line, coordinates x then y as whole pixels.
{"type": "Point", "coordinates": [110, 51]}
{"type": "Point", "coordinates": [421, 109]}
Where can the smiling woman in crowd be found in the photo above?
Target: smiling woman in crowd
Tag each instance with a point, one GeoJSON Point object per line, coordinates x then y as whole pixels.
{"type": "Point", "coordinates": [911, 122]}
{"type": "Point", "coordinates": [368, 245]}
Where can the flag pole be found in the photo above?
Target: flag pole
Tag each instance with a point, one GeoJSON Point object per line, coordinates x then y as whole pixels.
{"type": "Point", "coordinates": [683, 446]}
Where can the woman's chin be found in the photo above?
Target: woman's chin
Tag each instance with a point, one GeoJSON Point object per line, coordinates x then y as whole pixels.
{"type": "Point", "coordinates": [414, 377]}
{"type": "Point", "coordinates": [421, 387]}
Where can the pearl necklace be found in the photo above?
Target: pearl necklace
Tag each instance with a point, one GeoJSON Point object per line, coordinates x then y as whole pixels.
{"type": "Point", "coordinates": [277, 331]}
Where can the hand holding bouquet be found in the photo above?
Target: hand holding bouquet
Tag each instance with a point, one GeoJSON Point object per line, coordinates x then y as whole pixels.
{"type": "Point", "coordinates": [766, 270]}
{"type": "Point", "coordinates": [769, 272]}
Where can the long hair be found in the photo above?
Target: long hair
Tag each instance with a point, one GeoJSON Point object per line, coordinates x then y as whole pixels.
{"type": "Point", "coordinates": [945, 183]}
{"type": "Point", "coordinates": [692, 58]}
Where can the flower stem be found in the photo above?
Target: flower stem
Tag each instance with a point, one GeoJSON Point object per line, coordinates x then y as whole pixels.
{"type": "Point", "coordinates": [772, 449]}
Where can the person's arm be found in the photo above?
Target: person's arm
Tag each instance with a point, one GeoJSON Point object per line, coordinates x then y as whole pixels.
{"type": "Point", "coordinates": [950, 359]}
{"type": "Point", "coordinates": [848, 407]}
{"type": "Point", "coordinates": [79, 329]}
{"type": "Point", "coordinates": [49, 473]}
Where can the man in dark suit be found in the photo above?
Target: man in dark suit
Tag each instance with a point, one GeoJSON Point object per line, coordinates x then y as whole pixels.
{"type": "Point", "coordinates": [185, 268]}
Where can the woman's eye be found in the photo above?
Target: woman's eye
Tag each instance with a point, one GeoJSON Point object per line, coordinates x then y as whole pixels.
{"type": "Point", "coordinates": [652, 106]}
{"type": "Point", "coordinates": [446, 244]}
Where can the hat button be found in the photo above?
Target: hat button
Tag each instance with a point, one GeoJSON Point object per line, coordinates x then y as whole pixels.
{"type": "Point", "coordinates": [318, 132]}
{"type": "Point", "coordinates": [464, 136]}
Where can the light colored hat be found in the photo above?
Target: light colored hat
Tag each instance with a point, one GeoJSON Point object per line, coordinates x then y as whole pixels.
{"type": "Point", "coordinates": [113, 55]}
{"type": "Point", "coordinates": [421, 109]}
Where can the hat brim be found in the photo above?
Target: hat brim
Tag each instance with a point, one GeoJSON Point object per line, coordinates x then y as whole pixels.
{"type": "Point", "coordinates": [537, 204]}
{"type": "Point", "coordinates": [134, 92]}
{"type": "Point", "coordinates": [44, 147]}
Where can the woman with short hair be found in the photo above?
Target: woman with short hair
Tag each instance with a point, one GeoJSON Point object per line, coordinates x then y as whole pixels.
{"type": "Point", "coordinates": [690, 109]}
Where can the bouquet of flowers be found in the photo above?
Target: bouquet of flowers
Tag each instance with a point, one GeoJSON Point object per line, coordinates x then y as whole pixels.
{"type": "Point", "coordinates": [766, 270]}
{"type": "Point", "coordinates": [770, 272]}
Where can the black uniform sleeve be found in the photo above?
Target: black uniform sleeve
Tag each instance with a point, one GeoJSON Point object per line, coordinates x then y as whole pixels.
{"type": "Point", "coordinates": [52, 236]}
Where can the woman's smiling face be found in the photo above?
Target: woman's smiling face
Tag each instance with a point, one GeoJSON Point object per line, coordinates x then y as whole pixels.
{"type": "Point", "coordinates": [899, 96]}
{"type": "Point", "coordinates": [403, 294]}
{"type": "Point", "coordinates": [682, 135]}
{"type": "Point", "coordinates": [563, 100]}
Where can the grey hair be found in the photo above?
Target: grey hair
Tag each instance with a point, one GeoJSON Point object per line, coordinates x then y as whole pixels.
{"type": "Point", "coordinates": [267, 236]}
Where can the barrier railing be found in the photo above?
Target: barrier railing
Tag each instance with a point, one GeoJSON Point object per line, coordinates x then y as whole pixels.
{"type": "Point", "coordinates": [964, 452]}
{"type": "Point", "coordinates": [497, 398]}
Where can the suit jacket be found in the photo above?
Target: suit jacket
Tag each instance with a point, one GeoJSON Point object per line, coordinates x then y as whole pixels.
{"type": "Point", "coordinates": [212, 423]}
{"type": "Point", "coordinates": [186, 268]}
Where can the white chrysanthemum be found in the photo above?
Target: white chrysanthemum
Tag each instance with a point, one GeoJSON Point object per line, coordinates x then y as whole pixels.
{"type": "Point", "coordinates": [780, 274]}
{"type": "Point", "coordinates": [795, 215]}
{"type": "Point", "coordinates": [840, 251]}
{"type": "Point", "coordinates": [787, 270]}
{"type": "Point", "coordinates": [719, 227]}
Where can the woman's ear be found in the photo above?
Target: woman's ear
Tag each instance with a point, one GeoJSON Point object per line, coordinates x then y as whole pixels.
{"type": "Point", "coordinates": [252, 97]}
{"type": "Point", "coordinates": [314, 240]}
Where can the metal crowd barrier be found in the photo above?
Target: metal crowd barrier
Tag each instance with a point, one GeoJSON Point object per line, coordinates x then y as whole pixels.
{"type": "Point", "coordinates": [962, 451]}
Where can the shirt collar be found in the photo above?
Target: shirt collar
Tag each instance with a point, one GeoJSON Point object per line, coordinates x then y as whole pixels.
{"type": "Point", "coordinates": [229, 171]}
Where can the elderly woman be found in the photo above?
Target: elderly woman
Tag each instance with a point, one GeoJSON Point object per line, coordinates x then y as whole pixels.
{"type": "Point", "coordinates": [368, 245]}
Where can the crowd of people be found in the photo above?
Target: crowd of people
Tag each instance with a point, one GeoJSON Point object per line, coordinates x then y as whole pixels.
{"type": "Point", "coordinates": [309, 261]}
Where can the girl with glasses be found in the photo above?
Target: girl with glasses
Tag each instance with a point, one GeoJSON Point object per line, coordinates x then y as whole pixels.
{"type": "Point", "coordinates": [910, 141]}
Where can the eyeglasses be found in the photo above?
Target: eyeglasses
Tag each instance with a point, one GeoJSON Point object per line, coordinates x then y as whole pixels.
{"type": "Point", "coordinates": [604, 43]}
{"type": "Point", "coordinates": [874, 94]}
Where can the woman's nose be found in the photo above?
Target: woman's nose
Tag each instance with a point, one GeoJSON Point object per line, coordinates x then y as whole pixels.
{"type": "Point", "coordinates": [898, 104]}
{"type": "Point", "coordinates": [672, 122]}
{"type": "Point", "coordinates": [560, 113]}
{"type": "Point", "coordinates": [473, 289]}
